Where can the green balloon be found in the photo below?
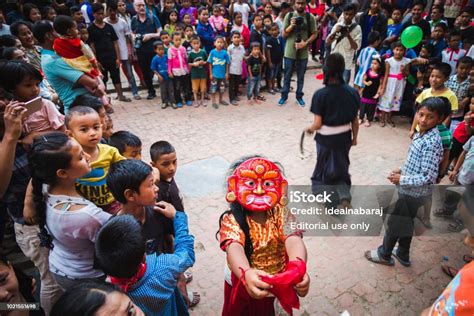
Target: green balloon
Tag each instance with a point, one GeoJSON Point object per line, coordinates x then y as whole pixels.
{"type": "Point", "coordinates": [411, 36]}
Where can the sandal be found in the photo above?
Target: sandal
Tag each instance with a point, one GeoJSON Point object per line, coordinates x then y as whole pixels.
{"type": "Point", "coordinates": [426, 222]}
{"type": "Point", "coordinates": [441, 212]}
{"type": "Point", "coordinates": [450, 271]}
{"type": "Point", "coordinates": [373, 256]}
{"type": "Point", "coordinates": [367, 124]}
{"type": "Point", "coordinates": [467, 258]}
{"type": "Point", "coordinates": [188, 275]}
{"type": "Point", "coordinates": [261, 98]}
{"type": "Point", "coordinates": [194, 298]}
{"type": "Point", "coordinates": [124, 99]}
{"type": "Point", "coordinates": [382, 124]}
{"type": "Point", "coordinates": [109, 109]}
{"type": "Point", "coordinates": [455, 227]}
{"type": "Point", "coordinates": [405, 263]}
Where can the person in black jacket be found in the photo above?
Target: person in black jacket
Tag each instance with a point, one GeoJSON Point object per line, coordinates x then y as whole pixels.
{"type": "Point", "coordinates": [372, 20]}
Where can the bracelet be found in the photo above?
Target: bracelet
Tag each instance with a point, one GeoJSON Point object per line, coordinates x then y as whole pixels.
{"type": "Point", "coordinates": [242, 277]}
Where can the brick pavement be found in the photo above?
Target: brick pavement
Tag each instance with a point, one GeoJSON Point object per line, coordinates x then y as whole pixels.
{"type": "Point", "coordinates": [342, 279]}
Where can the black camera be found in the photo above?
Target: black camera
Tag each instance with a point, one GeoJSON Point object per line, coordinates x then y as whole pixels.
{"type": "Point", "coordinates": [298, 28]}
{"type": "Point", "coordinates": [138, 41]}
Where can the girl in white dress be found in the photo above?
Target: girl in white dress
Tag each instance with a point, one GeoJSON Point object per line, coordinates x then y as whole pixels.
{"type": "Point", "coordinates": [393, 84]}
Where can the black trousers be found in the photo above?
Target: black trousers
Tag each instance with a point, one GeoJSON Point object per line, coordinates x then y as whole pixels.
{"type": "Point", "coordinates": [400, 226]}
{"type": "Point", "coordinates": [182, 83]}
{"type": "Point", "coordinates": [234, 81]}
{"type": "Point", "coordinates": [144, 61]}
{"type": "Point", "coordinates": [367, 108]}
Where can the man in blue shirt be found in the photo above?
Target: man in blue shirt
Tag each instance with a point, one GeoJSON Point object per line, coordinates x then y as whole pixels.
{"type": "Point", "coordinates": [66, 81]}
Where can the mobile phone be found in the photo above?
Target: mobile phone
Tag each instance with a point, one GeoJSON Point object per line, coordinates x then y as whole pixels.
{"type": "Point", "coordinates": [33, 105]}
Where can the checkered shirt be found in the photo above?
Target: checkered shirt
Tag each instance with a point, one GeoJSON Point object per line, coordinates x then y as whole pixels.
{"type": "Point", "coordinates": [421, 167]}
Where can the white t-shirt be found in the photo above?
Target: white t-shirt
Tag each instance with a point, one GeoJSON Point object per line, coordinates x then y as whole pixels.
{"type": "Point", "coordinates": [343, 47]}
{"type": "Point", "coordinates": [122, 30]}
{"type": "Point", "coordinates": [451, 57]}
{"type": "Point", "coordinates": [245, 10]}
{"type": "Point", "coordinates": [236, 55]}
{"type": "Point", "coordinates": [73, 234]}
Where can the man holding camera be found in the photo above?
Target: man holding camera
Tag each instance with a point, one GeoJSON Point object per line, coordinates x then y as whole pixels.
{"type": "Point", "coordinates": [145, 29]}
{"type": "Point", "coordinates": [299, 30]}
{"type": "Point", "coordinates": [345, 39]}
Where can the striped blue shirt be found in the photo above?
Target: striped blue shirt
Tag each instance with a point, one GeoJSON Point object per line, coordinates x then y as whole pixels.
{"type": "Point", "coordinates": [364, 61]}
{"type": "Point", "coordinates": [156, 293]}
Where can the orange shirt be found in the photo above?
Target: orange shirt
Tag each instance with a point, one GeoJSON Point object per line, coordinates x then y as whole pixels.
{"type": "Point", "coordinates": [268, 240]}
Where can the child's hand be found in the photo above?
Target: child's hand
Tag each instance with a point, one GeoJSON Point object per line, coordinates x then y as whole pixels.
{"type": "Point", "coordinates": [254, 286]}
{"type": "Point", "coordinates": [227, 76]}
{"type": "Point", "coordinates": [394, 178]}
{"type": "Point", "coordinates": [13, 116]}
{"type": "Point", "coordinates": [397, 171]}
{"type": "Point", "coordinates": [170, 73]}
{"type": "Point", "coordinates": [160, 78]}
{"type": "Point", "coordinates": [302, 288]}
{"type": "Point", "coordinates": [453, 175]}
{"type": "Point", "coordinates": [376, 96]}
{"type": "Point", "coordinates": [166, 209]}
{"type": "Point", "coordinates": [368, 83]}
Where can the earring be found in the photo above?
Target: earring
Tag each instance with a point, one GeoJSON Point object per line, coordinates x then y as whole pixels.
{"type": "Point", "coordinates": [230, 197]}
{"type": "Point", "coordinates": [284, 200]}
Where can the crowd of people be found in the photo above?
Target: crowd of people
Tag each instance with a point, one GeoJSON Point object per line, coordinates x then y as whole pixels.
{"type": "Point", "coordinates": [109, 230]}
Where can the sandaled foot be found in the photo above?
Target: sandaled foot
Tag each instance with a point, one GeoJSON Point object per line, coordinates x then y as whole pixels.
{"type": "Point", "coordinates": [373, 256]}
{"type": "Point", "coordinates": [391, 123]}
{"type": "Point", "coordinates": [261, 98]}
{"type": "Point", "coordinates": [450, 271]}
{"type": "Point", "coordinates": [455, 227]}
{"type": "Point", "coordinates": [124, 99]}
{"type": "Point", "coordinates": [426, 222]}
{"type": "Point", "coordinates": [194, 298]}
{"type": "Point", "coordinates": [403, 262]}
{"type": "Point", "coordinates": [367, 123]}
{"type": "Point", "coordinates": [188, 275]}
{"type": "Point", "coordinates": [441, 212]}
{"type": "Point", "coordinates": [382, 124]}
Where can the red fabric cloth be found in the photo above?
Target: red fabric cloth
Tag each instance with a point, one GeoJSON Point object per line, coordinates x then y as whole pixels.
{"type": "Point", "coordinates": [243, 304]}
{"type": "Point", "coordinates": [283, 284]}
{"type": "Point", "coordinates": [126, 283]}
{"type": "Point", "coordinates": [460, 133]}
{"type": "Point", "coordinates": [68, 48]}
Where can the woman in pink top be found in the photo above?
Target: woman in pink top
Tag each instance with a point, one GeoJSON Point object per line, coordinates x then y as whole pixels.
{"type": "Point", "coordinates": [178, 71]}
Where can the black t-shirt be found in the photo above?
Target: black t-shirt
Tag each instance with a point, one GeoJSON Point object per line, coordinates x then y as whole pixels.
{"type": "Point", "coordinates": [256, 36]}
{"type": "Point", "coordinates": [103, 40]}
{"type": "Point", "coordinates": [425, 27]}
{"type": "Point", "coordinates": [337, 105]}
{"type": "Point", "coordinates": [169, 192]}
{"type": "Point", "coordinates": [370, 91]}
{"type": "Point", "coordinates": [254, 64]}
{"type": "Point", "coordinates": [156, 226]}
{"type": "Point", "coordinates": [275, 47]}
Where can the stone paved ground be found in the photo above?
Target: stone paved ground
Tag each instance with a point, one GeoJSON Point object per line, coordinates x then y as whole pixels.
{"type": "Point", "coordinates": [341, 278]}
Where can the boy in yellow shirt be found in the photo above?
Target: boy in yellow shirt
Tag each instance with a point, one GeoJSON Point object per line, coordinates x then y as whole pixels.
{"type": "Point", "coordinates": [83, 124]}
{"type": "Point", "coordinates": [439, 76]}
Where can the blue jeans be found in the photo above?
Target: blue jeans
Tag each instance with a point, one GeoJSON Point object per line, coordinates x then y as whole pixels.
{"type": "Point", "coordinates": [347, 75]}
{"type": "Point", "coordinates": [253, 87]}
{"type": "Point", "coordinates": [133, 84]}
{"type": "Point", "coordinates": [300, 66]}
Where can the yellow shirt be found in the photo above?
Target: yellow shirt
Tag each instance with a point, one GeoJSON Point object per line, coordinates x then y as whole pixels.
{"type": "Point", "coordinates": [93, 186]}
{"type": "Point", "coordinates": [448, 94]}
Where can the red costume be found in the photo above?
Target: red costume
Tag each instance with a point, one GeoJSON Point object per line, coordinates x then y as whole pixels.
{"type": "Point", "coordinates": [259, 186]}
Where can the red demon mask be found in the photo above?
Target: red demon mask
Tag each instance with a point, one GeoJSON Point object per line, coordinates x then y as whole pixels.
{"type": "Point", "coordinates": [258, 185]}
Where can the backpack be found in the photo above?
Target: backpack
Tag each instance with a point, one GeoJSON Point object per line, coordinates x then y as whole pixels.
{"type": "Point", "coordinates": [308, 21]}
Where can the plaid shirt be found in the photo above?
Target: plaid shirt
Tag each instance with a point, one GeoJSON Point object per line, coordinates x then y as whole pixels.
{"type": "Point", "coordinates": [461, 90]}
{"type": "Point", "coordinates": [14, 197]}
{"type": "Point", "coordinates": [420, 170]}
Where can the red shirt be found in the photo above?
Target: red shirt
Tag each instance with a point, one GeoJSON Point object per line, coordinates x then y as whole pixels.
{"type": "Point", "coordinates": [460, 133]}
